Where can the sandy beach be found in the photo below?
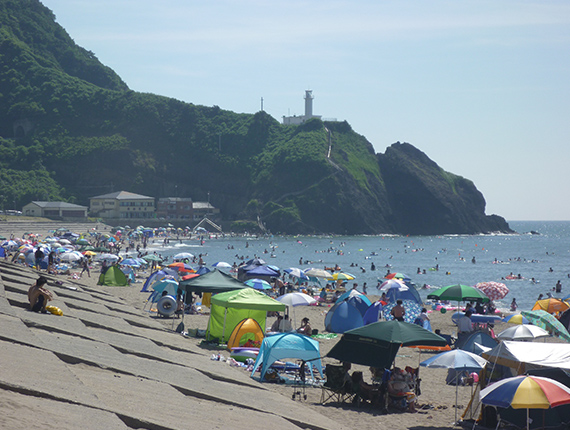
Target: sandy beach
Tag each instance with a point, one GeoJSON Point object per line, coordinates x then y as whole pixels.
{"type": "Point", "coordinates": [90, 308]}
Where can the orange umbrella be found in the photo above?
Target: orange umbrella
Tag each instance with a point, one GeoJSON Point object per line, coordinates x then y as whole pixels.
{"type": "Point", "coordinates": [550, 305]}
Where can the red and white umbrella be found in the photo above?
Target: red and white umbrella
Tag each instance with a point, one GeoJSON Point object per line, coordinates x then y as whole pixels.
{"type": "Point", "coordinates": [493, 290]}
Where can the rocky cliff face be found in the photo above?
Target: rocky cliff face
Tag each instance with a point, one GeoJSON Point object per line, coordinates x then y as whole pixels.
{"type": "Point", "coordinates": [427, 200]}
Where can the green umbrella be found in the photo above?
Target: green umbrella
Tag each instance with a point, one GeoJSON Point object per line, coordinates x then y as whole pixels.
{"type": "Point", "coordinates": [459, 293]}
{"type": "Point", "coordinates": [151, 257]}
{"type": "Point", "coordinates": [548, 322]}
{"type": "Point", "coordinates": [377, 344]}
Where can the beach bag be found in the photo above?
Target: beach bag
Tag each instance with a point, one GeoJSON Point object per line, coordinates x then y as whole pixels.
{"type": "Point", "coordinates": [54, 310]}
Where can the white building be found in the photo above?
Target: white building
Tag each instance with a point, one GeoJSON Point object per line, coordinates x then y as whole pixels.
{"type": "Point", "coordinates": [122, 204]}
{"type": "Point", "coordinates": [296, 120]}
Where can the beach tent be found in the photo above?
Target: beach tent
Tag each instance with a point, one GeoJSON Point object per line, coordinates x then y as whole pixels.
{"type": "Point", "coordinates": [159, 274]}
{"type": "Point", "coordinates": [262, 271]}
{"type": "Point", "coordinates": [229, 308]}
{"type": "Point", "coordinates": [471, 343]}
{"type": "Point", "coordinates": [129, 273]}
{"type": "Point", "coordinates": [359, 304]}
{"type": "Point", "coordinates": [353, 293]}
{"type": "Point", "coordinates": [212, 282]}
{"type": "Point", "coordinates": [373, 313]}
{"type": "Point", "coordinates": [343, 317]}
{"type": "Point", "coordinates": [248, 328]}
{"type": "Point", "coordinates": [288, 345]}
{"type": "Point", "coordinates": [114, 277]}
{"type": "Point", "coordinates": [524, 356]}
{"type": "Point", "coordinates": [170, 285]}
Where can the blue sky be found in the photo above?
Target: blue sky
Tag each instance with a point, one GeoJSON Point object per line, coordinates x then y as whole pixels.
{"type": "Point", "coordinates": [481, 87]}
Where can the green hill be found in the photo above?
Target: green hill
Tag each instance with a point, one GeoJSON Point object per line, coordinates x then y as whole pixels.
{"type": "Point", "coordinates": [70, 128]}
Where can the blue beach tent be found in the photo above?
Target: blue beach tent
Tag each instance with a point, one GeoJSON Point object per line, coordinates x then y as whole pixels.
{"type": "Point", "coordinates": [354, 293]}
{"type": "Point", "coordinates": [373, 313]}
{"type": "Point", "coordinates": [342, 317]}
{"type": "Point", "coordinates": [288, 345]}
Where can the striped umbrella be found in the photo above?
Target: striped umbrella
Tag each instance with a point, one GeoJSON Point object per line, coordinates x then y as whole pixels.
{"type": "Point", "coordinates": [493, 290]}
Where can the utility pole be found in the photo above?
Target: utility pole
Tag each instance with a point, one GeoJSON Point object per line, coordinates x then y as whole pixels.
{"type": "Point", "coordinates": [261, 104]}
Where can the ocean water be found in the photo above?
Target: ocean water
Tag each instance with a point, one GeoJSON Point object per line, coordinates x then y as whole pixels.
{"type": "Point", "coordinates": [544, 257]}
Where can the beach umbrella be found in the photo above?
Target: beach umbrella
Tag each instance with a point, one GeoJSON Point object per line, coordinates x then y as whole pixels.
{"type": "Point", "coordinates": [551, 305]}
{"type": "Point", "coordinates": [393, 284]}
{"type": "Point", "coordinates": [340, 276]}
{"type": "Point", "coordinates": [183, 256]}
{"type": "Point", "coordinates": [89, 253]}
{"type": "Point", "coordinates": [82, 242]}
{"type": "Point", "coordinates": [493, 290]}
{"type": "Point", "coordinates": [458, 360]}
{"type": "Point", "coordinates": [548, 322]}
{"type": "Point", "coordinates": [516, 319]}
{"type": "Point", "coordinates": [152, 257]}
{"type": "Point", "coordinates": [398, 275]}
{"type": "Point", "coordinates": [130, 262]}
{"type": "Point", "coordinates": [72, 256]}
{"type": "Point", "coordinates": [377, 344]}
{"type": "Point", "coordinates": [181, 267]}
{"type": "Point", "coordinates": [258, 284]}
{"type": "Point", "coordinates": [526, 392]}
{"type": "Point", "coordinates": [413, 310]}
{"type": "Point", "coordinates": [106, 257]}
{"type": "Point", "coordinates": [318, 273]}
{"type": "Point", "coordinates": [296, 299]}
{"type": "Point", "coordinates": [222, 265]}
{"type": "Point", "coordinates": [296, 272]}
{"type": "Point", "coordinates": [459, 293]}
{"type": "Point", "coordinates": [522, 332]}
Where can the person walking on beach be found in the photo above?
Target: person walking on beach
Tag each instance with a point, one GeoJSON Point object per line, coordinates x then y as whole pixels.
{"type": "Point", "coordinates": [84, 267]}
{"type": "Point", "coordinates": [39, 255]}
{"type": "Point", "coordinates": [398, 311]}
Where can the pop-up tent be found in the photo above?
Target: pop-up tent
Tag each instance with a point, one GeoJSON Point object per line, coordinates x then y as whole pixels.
{"type": "Point", "coordinates": [114, 277]}
{"type": "Point", "coordinates": [229, 308]}
{"type": "Point", "coordinates": [343, 317]}
{"type": "Point", "coordinates": [288, 345]}
{"type": "Point", "coordinates": [247, 328]}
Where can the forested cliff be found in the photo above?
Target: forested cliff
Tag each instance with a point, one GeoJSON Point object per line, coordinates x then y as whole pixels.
{"type": "Point", "coordinates": [70, 128]}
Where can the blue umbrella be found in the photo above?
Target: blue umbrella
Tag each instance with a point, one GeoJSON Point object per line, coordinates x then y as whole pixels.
{"type": "Point", "coordinates": [258, 284]}
{"type": "Point", "coordinates": [456, 359]}
{"type": "Point", "coordinates": [130, 262]}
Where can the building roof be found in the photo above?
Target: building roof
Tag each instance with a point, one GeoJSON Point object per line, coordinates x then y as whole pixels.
{"type": "Point", "coordinates": [123, 195]}
{"type": "Point", "coordinates": [175, 199]}
{"type": "Point", "coordinates": [202, 205]}
{"type": "Point", "coordinates": [59, 205]}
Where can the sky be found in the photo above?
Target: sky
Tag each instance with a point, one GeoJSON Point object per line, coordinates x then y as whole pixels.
{"type": "Point", "coordinates": [481, 87]}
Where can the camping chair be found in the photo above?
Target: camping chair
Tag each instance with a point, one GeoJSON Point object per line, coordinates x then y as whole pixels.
{"type": "Point", "coordinates": [372, 393]}
{"type": "Point", "coordinates": [336, 386]}
{"type": "Point", "coordinates": [300, 379]}
{"type": "Point", "coordinates": [400, 399]}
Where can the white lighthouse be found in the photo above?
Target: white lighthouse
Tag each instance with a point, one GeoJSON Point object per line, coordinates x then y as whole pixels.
{"type": "Point", "coordinates": [309, 104]}
{"type": "Point", "coordinates": [300, 119]}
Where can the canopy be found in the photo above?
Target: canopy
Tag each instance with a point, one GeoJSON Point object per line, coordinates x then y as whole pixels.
{"type": "Point", "coordinates": [459, 293]}
{"type": "Point", "coordinates": [229, 308]}
{"type": "Point", "coordinates": [525, 355]}
{"type": "Point", "coordinates": [288, 345]}
{"type": "Point", "coordinates": [262, 271]}
{"type": "Point", "coordinates": [376, 344]}
{"type": "Point", "coordinates": [212, 282]}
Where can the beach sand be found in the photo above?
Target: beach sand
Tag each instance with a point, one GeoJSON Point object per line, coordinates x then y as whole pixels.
{"type": "Point", "coordinates": [110, 390]}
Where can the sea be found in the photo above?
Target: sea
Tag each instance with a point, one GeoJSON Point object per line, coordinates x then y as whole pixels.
{"type": "Point", "coordinates": [539, 252]}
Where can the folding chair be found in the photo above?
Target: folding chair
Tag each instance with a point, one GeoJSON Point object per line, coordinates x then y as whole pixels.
{"type": "Point", "coordinates": [336, 386]}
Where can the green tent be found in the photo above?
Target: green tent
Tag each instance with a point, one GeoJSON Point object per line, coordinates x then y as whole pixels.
{"type": "Point", "coordinates": [113, 277]}
{"type": "Point", "coordinates": [229, 308]}
{"type": "Point", "coordinates": [211, 282]}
